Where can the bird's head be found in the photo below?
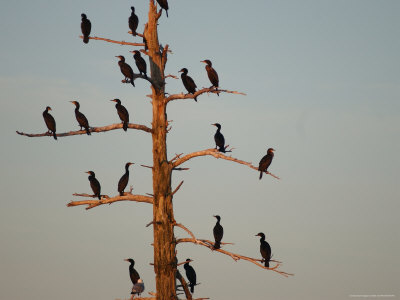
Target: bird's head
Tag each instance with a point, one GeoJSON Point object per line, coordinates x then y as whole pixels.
{"type": "Point", "coordinates": [217, 217]}
{"type": "Point", "coordinates": [206, 61]}
{"type": "Point", "coordinates": [121, 58]}
{"type": "Point", "coordinates": [270, 150]}
{"type": "Point", "coordinates": [128, 164]}
{"type": "Point", "coordinates": [76, 103]}
{"type": "Point", "coordinates": [48, 108]}
{"type": "Point", "coordinates": [262, 235]}
{"type": "Point", "coordinates": [129, 260]}
{"type": "Point", "coordinates": [184, 70]}
{"type": "Point", "coordinates": [83, 16]}
{"type": "Point", "coordinates": [217, 125]}
{"type": "Point", "coordinates": [136, 52]}
{"type": "Point", "coordinates": [91, 173]}
{"type": "Point", "coordinates": [116, 100]}
{"type": "Point", "coordinates": [133, 9]}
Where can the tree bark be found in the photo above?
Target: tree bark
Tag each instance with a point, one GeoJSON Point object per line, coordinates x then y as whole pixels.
{"type": "Point", "coordinates": [163, 215]}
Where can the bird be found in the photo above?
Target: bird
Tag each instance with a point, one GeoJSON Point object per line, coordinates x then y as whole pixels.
{"type": "Point", "coordinates": [188, 82]}
{"type": "Point", "coordinates": [123, 182]}
{"type": "Point", "coordinates": [190, 274]}
{"type": "Point", "coordinates": [218, 233]}
{"type": "Point", "coordinates": [94, 184]}
{"type": "Point", "coordinates": [265, 249]}
{"type": "Point", "coordinates": [86, 26]}
{"type": "Point", "coordinates": [133, 21]}
{"type": "Point", "coordinates": [80, 117]}
{"type": "Point", "coordinates": [219, 139]}
{"type": "Point", "coordinates": [212, 74]}
{"type": "Point", "coordinates": [164, 4]}
{"type": "Point", "coordinates": [50, 122]}
{"type": "Point", "coordinates": [140, 62]}
{"type": "Point", "coordinates": [122, 113]}
{"type": "Point", "coordinates": [132, 272]}
{"type": "Point", "coordinates": [266, 161]}
{"type": "Point", "coordinates": [126, 69]}
{"type": "Point", "coordinates": [138, 288]}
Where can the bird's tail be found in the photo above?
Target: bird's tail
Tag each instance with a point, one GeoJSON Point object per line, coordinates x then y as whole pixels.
{"type": "Point", "coordinates": [261, 172]}
{"type": "Point", "coordinates": [192, 288]}
{"type": "Point", "coordinates": [125, 126]}
{"type": "Point", "coordinates": [55, 135]}
{"type": "Point", "coordinates": [266, 263]}
{"type": "Point", "coordinates": [132, 82]}
{"type": "Point", "coordinates": [195, 98]}
{"type": "Point", "coordinates": [221, 149]}
{"type": "Point", "coordinates": [87, 131]}
{"type": "Point", "coordinates": [217, 245]}
{"type": "Point", "coordinates": [86, 39]}
{"type": "Point", "coordinates": [99, 196]}
{"type": "Point", "coordinates": [166, 11]}
{"type": "Point", "coordinates": [121, 193]}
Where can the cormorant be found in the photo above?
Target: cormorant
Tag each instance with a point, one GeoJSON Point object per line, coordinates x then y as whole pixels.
{"type": "Point", "coordinates": [122, 113]}
{"type": "Point", "coordinates": [80, 117]}
{"type": "Point", "coordinates": [219, 139]}
{"type": "Point", "coordinates": [266, 161]}
{"type": "Point", "coordinates": [132, 272]}
{"type": "Point", "coordinates": [126, 69]}
{"type": "Point", "coordinates": [188, 82]}
{"type": "Point", "coordinates": [86, 26]}
{"type": "Point", "coordinates": [190, 274]}
{"type": "Point", "coordinates": [218, 233]}
{"type": "Point", "coordinates": [50, 122]}
{"type": "Point", "coordinates": [133, 21]}
{"type": "Point", "coordinates": [140, 62]}
{"type": "Point", "coordinates": [164, 4]}
{"type": "Point", "coordinates": [94, 184]}
{"type": "Point", "coordinates": [212, 74]}
{"type": "Point", "coordinates": [265, 249]}
{"type": "Point", "coordinates": [123, 182]}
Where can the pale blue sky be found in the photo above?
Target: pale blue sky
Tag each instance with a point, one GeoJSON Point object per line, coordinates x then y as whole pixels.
{"type": "Point", "coordinates": [323, 83]}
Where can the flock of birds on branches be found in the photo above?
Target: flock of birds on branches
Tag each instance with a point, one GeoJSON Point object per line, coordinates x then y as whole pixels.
{"type": "Point", "coordinates": [189, 84]}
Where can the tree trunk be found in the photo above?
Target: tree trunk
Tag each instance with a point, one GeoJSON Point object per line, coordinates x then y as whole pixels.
{"type": "Point", "coordinates": [163, 215]}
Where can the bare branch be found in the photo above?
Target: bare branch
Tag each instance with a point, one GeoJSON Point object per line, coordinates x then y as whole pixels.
{"type": "Point", "coordinates": [199, 92]}
{"type": "Point", "coordinates": [137, 33]}
{"type": "Point", "coordinates": [112, 41]}
{"type": "Point", "coordinates": [171, 76]}
{"type": "Point", "coordinates": [144, 166]}
{"type": "Point", "coordinates": [92, 129]}
{"type": "Point", "coordinates": [108, 200]}
{"type": "Point", "coordinates": [177, 188]}
{"type": "Point", "coordinates": [216, 154]}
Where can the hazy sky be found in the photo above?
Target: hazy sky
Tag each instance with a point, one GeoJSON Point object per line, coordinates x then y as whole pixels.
{"type": "Point", "coordinates": [323, 83]}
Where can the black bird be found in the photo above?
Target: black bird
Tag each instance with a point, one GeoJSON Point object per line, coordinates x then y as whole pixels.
{"type": "Point", "coordinates": [94, 184]}
{"type": "Point", "coordinates": [86, 26]}
{"type": "Point", "coordinates": [122, 113]}
{"type": "Point", "coordinates": [164, 4]}
{"type": "Point", "coordinates": [266, 161]}
{"type": "Point", "coordinates": [126, 69]}
{"type": "Point", "coordinates": [212, 74]}
{"type": "Point", "coordinates": [133, 21]}
{"type": "Point", "coordinates": [190, 274]}
{"type": "Point", "coordinates": [80, 117]}
{"type": "Point", "coordinates": [50, 122]}
{"type": "Point", "coordinates": [219, 139]}
{"type": "Point", "coordinates": [132, 272]}
{"type": "Point", "coordinates": [265, 249]}
{"type": "Point", "coordinates": [140, 62]}
{"type": "Point", "coordinates": [123, 182]}
{"type": "Point", "coordinates": [188, 82]}
{"type": "Point", "coordinates": [218, 233]}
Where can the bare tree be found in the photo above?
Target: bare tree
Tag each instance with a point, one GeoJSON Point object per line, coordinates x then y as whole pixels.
{"type": "Point", "coordinates": [164, 223]}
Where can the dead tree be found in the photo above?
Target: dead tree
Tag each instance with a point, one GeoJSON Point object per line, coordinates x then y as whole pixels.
{"type": "Point", "coordinates": [163, 222]}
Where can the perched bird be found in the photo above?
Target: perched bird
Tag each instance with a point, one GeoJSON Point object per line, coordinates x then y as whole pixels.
{"type": "Point", "coordinates": [126, 69]}
{"type": "Point", "coordinates": [188, 82]}
{"type": "Point", "coordinates": [219, 139]}
{"type": "Point", "coordinates": [138, 288]}
{"type": "Point", "coordinates": [265, 249]}
{"type": "Point", "coordinates": [133, 21]}
{"type": "Point", "coordinates": [86, 26]}
{"type": "Point", "coordinates": [140, 62]}
{"type": "Point", "coordinates": [122, 113]}
{"type": "Point", "coordinates": [164, 4]}
{"type": "Point", "coordinates": [123, 182]}
{"type": "Point", "coordinates": [218, 233]}
{"type": "Point", "coordinates": [94, 184]}
{"type": "Point", "coordinates": [50, 122]}
{"type": "Point", "coordinates": [80, 117]}
{"type": "Point", "coordinates": [266, 161]}
{"type": "Point", "coordinates": [190, 274]}
{"type": "Point", "coordinates": [212, 74]}
{"type": "Point", "coordinates": [132, 272]}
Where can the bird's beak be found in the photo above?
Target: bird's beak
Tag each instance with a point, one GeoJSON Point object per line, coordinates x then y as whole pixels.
{"type": "Point", "coordinates": [256, 235]}
{"type": "Point", "coordinates": [126, 259]}
{"type": "Point", "coordinates": [131, 163]}
{"type": "Point", "coordinates": [213, 124]}
{"type": "Point", "coordinates": [180, 71]}
{"type": "Point", "coordinates": [202, 61]}
{"type": "Point", "coordinates": [113, 100]}
{"type": "Point", "coordinates": [87, 172]}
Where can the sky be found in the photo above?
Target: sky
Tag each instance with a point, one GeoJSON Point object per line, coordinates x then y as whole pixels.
{"type": "Point", "coordinates": [322, 80]}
